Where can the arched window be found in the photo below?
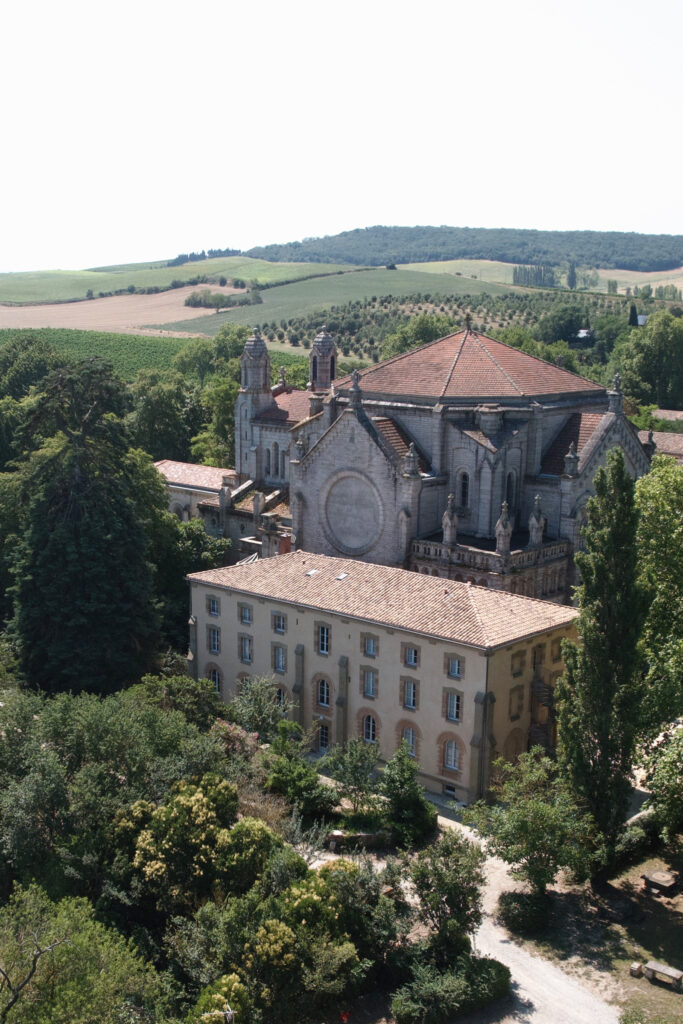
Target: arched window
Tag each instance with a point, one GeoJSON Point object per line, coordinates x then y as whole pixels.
{"type": "Point", "coordinates": [283, 464]}
{"type": "Point", "coordinates": [314, 369]}
{"type": "Point", "coordinates": [323, 693]}
{"type": "Point", "coordinates": [276, 458]}
{"type": "Point", "coordinates": [332, 367]}
{"type": "Point", "coordinates": [451, 756]}
{"type": "Point", "coordinates": [464, 490]}
{"type": "Point", "coordinates": [410, 737]}
{"type": "Point", "coordinates": [267, 461]}
{"type": "Point", "coordinates": [214, 676]}
{"type": "Point", "coordinates": [280, 696]}
{"type": "Point", "coordinates": [369, 729]}
{"type": "Point", "coordinates": [510, 491]}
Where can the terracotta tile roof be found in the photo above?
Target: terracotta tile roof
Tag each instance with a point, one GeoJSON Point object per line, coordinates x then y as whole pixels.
{"type": "Point", "coordinates": [189, 474]}
{"type": "Point", "coordinates": [675, 415]}
{"type": "Point", "coordinates": [579, 429]}
{"type": "Point", "coordinates": [468, 366]}
{"type": "Point", "coordinates": [396, 598]}
{"type": "Point", "coordinates": [397, 439]}
{"type": "Point", "coordinates": [292, 406]}
{"type": "Point", "coordinates": [667, 444]}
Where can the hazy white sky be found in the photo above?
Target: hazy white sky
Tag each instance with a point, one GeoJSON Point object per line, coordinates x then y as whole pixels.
{"type": "Point", "coordinates": [137, 130]}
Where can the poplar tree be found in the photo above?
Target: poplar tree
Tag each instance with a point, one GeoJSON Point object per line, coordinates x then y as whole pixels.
{"type": "Point", "coordinates": [599, 697]}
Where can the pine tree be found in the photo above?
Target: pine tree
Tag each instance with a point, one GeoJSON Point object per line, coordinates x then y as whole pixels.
{"type": "Point", "coordinates": [599, 697]}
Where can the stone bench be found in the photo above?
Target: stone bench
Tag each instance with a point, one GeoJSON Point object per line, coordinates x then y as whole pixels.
{"type": "Point", "coordinates": [653, 968]}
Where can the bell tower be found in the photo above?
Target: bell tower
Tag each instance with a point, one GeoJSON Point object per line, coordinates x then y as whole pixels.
{"type": "Point", "coordinates": [255, 396]}
{"type": "Point", "coordinates": [323, 361]}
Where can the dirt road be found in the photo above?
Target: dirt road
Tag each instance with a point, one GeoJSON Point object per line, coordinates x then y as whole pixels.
{"type": "Point", "coordinates": [542, 993]}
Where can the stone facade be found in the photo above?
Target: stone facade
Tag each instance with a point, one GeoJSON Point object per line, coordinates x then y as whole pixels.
{"type": "Point", "coordinates": [410, 462]}
{"type": "Point", "coordinates": [463, 674]}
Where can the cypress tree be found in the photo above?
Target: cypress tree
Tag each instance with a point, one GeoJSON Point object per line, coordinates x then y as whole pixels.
{"type": "Point", "coordinates": [599, 697]}
{"type": "Point", "coordinates": [633, 316]}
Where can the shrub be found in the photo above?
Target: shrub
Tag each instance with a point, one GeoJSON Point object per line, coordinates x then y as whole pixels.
{"type": "Point", "coordinates": [524, 913]}
{"type": "Point", "coordinates": [434, 996]}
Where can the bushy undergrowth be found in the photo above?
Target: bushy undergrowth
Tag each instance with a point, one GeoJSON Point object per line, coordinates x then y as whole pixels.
{"type": "Point", "coordinates": [435, 995]}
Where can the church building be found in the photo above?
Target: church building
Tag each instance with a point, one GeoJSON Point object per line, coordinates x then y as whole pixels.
{"type": "Point", "coordinates": [464, 458]}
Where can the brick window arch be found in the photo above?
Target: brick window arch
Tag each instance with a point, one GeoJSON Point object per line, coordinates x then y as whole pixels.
{"type": "Point", "coordinates": [402, 727]}
{"type": "Point", "coordinates": [364, 726]}
{"type": "Point", "coordinates": [451, 753]}
{"type": "Point", "coordinates": [323, 696]}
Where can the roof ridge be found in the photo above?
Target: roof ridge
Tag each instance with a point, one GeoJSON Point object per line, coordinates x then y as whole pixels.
{"type": "Point", "coordinates": [400, 355]}
{"type": "Point", "coordinates": [546, 362]}
{"type": "Point", "coordinates": [452, 369]}
{"type": "Point", "coordinates": [495, 361]}
{"type": "Point", "coordinates": [477, 614]}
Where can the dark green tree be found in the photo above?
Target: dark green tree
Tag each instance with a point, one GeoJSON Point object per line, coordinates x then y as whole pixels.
{"type": "Point", "coordinates": [85, 611]}
{"type": "Point", "coordinates": [158, 422]}
{"type": "Point", "coordinates": [599, 697]}
{"type": "Point", "coordinates": [411, 817]}
{"type": "Point", "coordinates": [633, 315]}
{"type": "Point", "coordinates": [571, 276]}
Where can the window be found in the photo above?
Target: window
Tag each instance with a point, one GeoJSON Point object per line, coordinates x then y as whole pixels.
{"type": "Point", "coordinates": [323, 738]}
{"type": "Point", "coordinates": [279, 659]}
{"type": "Point", "coordinates": [411, 655]}
{"type": "Point", "coordinates": [323, 693]}
{"type": "Point", "coordinates": [276, 458]}
{"type": "Point", "coordinates": [453, 706]}
{"type": "Point", "coordinates": [267, 461]}
{"type": "Point", "coordinates": [369, 729]}
{"type": "Point", "coordinates": [369, 683]}
{"type": "Point", "coordinates": [556, 649]}
{"type": "Point", "coordinates": [280, 696]}
{"type": "Point", "coordinates": [510, 491]}
{"type": "Point", "coordinates": [369, 646]}
{"type": "Point", "coordinates": [454, 668]}
{"type": "Point", "coordinates": [283, 464]}
{"type": "Point", "coordinates": [245, 614]}
{"type": "Point", "coordinates": [410, 694]}
{"type": "Point", "coordinates": [539, 656]}
{"type": "Point", "coordinates": [464, 490]}
{"type": "Point", "coordinates": [213, 605]}
{"type": "Point", "coordinates": [451, 756]}
{"type": "Point", "coordinates": [279, 622]}
{"type": "Point", "coordinates": [410, 737]}
{"type": "Point", "coordinates": [214, 676]}
{"type": "Point", "coordinates": [214, 637]}
{"type": "Point", "coordinates": [516, 702]}
{"type": "Point", "coordinates": [246, 649]}
{"type": "Point", "coordinates": [518, 663]}
{"type": "Point", "coordinates": [323, 645]}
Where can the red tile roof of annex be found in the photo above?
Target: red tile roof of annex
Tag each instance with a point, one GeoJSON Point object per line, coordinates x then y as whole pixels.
{"type": "Point", "coordinates": [396, 598]}
{"type": "Point", "coordinates": [467, 365]}
{"type": "Point", "coordinates": [292, 407]}
{"type": "Point", "coordinates": [189, 474]}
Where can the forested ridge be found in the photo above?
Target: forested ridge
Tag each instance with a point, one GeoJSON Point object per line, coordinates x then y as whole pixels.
{"type": "Point", "coordinates": [379, 246]}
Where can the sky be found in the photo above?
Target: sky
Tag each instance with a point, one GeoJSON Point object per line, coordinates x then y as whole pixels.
{"type": "Point", "coordinates": [134, 131]}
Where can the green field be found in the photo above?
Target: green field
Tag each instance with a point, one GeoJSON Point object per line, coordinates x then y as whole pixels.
{"type": "Point", "coordinates": [62, 285]}
{"type": "Point", "coordinates": [128, 353]}
{"type": "Point", "coordinates": [305, 297]}
{"type": "Point", "coordinates": [482, 270]}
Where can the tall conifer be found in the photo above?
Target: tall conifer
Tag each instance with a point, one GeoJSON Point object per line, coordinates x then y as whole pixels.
{"type": "Point", "coordinates": [599, 696]}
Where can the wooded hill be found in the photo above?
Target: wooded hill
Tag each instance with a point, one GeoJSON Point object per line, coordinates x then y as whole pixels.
{"type": "Point", "coordinates": [379, 246]}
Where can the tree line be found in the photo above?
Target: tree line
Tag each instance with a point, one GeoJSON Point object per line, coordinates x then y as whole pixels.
{"type": "Point", "coordinates": [381, 246]}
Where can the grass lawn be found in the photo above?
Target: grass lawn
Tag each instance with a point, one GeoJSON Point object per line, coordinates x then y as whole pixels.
{"type": "Point", "coordinates": [611, 929]}
{"type": "Point", "coordinates": [62, 285]}
{"type": "Point", "coordinates": [304, 297]}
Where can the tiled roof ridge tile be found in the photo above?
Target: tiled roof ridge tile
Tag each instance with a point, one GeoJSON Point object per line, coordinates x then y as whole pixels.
{"type": "Point", "coordinates": [493, 359]}
{"type": "Point", "coordinates": [451, 371]}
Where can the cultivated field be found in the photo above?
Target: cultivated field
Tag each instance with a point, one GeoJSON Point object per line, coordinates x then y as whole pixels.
{"type": "Point", "coordinates": [62, 285]}
{"type": "Point", "coordinates": [304, 297]}
{"type": "Point", "coordinates": [631, 278]}
{"type": "Point", "coordinates": [482, 270]}
{"type": "Point", "coordinates": [124, 314]}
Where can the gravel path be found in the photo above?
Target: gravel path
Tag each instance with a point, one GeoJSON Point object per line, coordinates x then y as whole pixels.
{"type": "Point", "coordinates": [542, 993]}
